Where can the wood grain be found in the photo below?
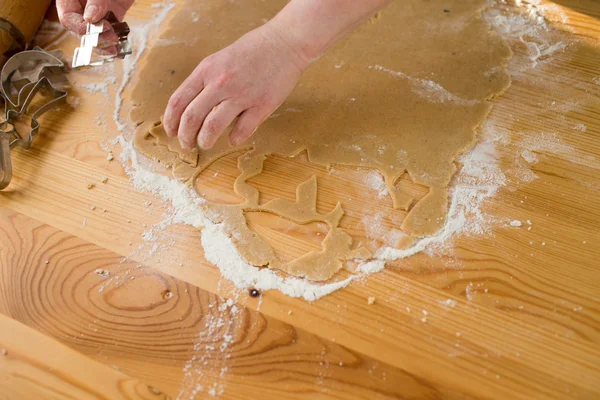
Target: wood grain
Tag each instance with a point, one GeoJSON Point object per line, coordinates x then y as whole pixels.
{"type": "Point", "coordinates": [512, 313]}
{"type": "Point", "coordinates": [33, 366]}
{"type": "Point", "coordinates": [171, 334]}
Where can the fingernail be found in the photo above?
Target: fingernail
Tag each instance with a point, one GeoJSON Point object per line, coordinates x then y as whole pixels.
{"type": "Point", "coordinates": [90, 12]}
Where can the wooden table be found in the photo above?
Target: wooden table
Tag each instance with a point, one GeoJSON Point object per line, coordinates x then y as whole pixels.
{"type": "Point", "coordinates": [90, 314]}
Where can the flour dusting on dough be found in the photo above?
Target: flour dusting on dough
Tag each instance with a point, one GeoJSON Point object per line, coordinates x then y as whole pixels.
{"type": "Point", "coordinates": [375, 181]}
{"type": "Point", "coordinates": [139, 41]}
{"type": "Point", "coordinates": [430, 90]}
{"type": "Point", "coordinates": [479, 178]}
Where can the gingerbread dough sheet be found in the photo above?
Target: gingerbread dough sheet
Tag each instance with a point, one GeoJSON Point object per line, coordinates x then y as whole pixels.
{"type": "Point", "coordinates": [403, 93]}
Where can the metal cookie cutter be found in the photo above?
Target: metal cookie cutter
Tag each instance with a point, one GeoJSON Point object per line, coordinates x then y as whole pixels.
{"type": "Point", "coordinates": [83, 54]}
{"type": "Point", "coordinates": [23, 76]}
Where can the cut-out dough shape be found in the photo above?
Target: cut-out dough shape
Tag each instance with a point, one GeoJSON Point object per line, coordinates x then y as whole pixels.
{"type": "Point", "coordinates": [403, 93]}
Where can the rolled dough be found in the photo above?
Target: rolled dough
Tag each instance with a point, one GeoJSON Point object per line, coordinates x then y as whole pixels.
{"type": "Point", "coordinates": [403, 93]}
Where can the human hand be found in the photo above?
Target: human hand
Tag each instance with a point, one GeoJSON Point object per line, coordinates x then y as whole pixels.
{"type": "Point", "coordinates": [75, 14]}
{"type": "Point", "coordinates": [249, 79]}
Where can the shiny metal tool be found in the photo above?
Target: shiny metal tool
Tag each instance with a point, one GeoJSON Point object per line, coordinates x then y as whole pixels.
{"type": "Point", "coordinates": [22, 77]}
{"type": "Point", "coordinates": [84, 54]}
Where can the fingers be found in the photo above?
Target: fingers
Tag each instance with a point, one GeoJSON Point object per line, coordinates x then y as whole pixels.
{"type": "Point", "coordinates": [69, 14]}
{"type": "Point", "coordinates": [181, 99]}
{"type": "Point", "coordinates": [107, 51]}
{"type": "Point", "coordinates": [107, 39]}
{"type": "Point", "coordinates": [95, 10]}
{"type": "Point", "coordinates": [73, 22]}
{"type": "Point", "coordinates": [193, 117]}
{"type": "Point", "coordinates": [216, 122]}
{"type": "Point", "coordinates": [246, 125]}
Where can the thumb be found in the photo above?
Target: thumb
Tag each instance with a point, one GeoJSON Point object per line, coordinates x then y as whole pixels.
{"type": "Point", "coordinates": [95, 10]}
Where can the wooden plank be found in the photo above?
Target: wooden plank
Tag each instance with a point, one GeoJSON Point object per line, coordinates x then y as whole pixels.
{"type": "Point", "coordinates": [527, 313]}
{"type": "Point", "coordinates": [33, 366]}
{"type": "Point", "coordinates": [425, 349]}
{"type": "Point", "coordinates": [171, 334]}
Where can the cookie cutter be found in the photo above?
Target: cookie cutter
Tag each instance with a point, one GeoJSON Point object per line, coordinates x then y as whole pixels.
{"type": "Point", "coordinates": [84, 53]}
{"type": "Point", "coordinates": [23, 76]}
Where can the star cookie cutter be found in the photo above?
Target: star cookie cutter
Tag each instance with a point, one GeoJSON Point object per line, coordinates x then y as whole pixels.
{"type": "Point", "coordinates": [23, 76]}
{"type": "Point", "coordinates": [84, 53]}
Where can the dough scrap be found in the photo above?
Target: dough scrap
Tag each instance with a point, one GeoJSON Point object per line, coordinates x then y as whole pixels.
{"type": "Point", "coordinates": [403, 93]}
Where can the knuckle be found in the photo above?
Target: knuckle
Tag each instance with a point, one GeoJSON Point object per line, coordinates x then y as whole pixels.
{"type": "Point", "coordinates": [223, 80]}
{"type": "Point", "coordinates": [265, 100]}
{"type": "Point", "coordinates": [210, 126]}
{"type": "Point", "coordinates": [189, 118]}
{"type": "Point", "coordinates": [173, 102]}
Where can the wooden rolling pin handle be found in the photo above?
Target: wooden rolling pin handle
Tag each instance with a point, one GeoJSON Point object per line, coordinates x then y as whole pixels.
{"type": "Point", "coordinates": [23, 15]}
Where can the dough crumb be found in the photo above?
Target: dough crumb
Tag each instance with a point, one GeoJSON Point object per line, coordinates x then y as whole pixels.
{"type": "Point", "coordinates": [290, 312]}
{"type": "Point", "coordinates": [3, 352]}
{"type": "Point", "coordinates": [110, 157]}
{"type": "Point", "coordinates": [449, 303]}
{"type": "Point", "coordinates": [93, 208]}
{"type": "Point", "coordinates": [371, 300]}
{"type": "Point", "coordinates": [91, 185]}
{"type": "Point", "coordinates": [104, 179]}
{"type": "Point", "coordinates": [515, 222]}
{"type": "Point", "coordinates": [102, 272]}
{"type": "Point", "coordinates": [47, 262]}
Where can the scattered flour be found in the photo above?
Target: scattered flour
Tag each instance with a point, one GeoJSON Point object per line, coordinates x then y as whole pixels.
{"type": "Point", "coordinates": [93, 88]}
{"type": "Point", "coordinates": [529, 156]}
{"type": "Point", "coordinates": [528, 26]}
{"type": "Point", "coordinates": [375, 181]}
{"type": "Point", "coordinates": [449, 303]}
{"type": "Point", "coordinates": [427, 89]}
{"type": "Point", "coordinates": [478, 179]}
{"type": "Point", "coordinates": [206, 369]}
{"type": "Point", "coordinates": [139, 41]}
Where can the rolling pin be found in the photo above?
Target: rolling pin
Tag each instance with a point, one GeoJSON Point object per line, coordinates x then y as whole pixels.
{"type": "Point", "coordinates": [19, 21]}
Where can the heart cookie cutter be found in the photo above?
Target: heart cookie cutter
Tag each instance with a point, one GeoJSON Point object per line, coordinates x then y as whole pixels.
{"type": "Point", "coordinates": [23, 76]}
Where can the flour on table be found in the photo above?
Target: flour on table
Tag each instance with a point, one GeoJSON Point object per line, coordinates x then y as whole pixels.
{"type": "Point", "coordinates": [478, 179]}
{"type": "Point", "coordinates": [374, 180]}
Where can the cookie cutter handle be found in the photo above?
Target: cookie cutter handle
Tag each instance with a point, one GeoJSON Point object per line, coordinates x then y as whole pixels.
{"type": "Point", "coordinates": [5, 163]}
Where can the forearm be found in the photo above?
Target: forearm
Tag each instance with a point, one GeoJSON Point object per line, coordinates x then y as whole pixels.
{"type": "Point", "coordinates": [310, 27]}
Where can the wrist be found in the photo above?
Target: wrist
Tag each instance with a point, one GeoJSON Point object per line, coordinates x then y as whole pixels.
{"type": "Point", "coordinates": [275, 34]}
